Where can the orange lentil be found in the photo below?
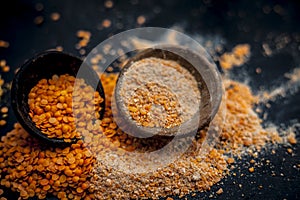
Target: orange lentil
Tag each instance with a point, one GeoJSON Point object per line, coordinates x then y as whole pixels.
{"type": "Point", "coordinates": [4, 44]}
{"type": "Point", "coordinates": [251, 169]}
{"type": "Point", "coordinates": [106, 23]}
{"type": "Point", "coordinates": [55, 16]}
{"type": "Point", "coordinates": [51, 105]}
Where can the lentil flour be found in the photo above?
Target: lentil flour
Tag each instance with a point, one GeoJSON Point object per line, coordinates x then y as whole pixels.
{"type": "Point", "coordinates": [159, 93]}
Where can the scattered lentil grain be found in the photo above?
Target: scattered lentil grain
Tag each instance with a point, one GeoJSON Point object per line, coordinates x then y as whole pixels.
{"type": "Point", "coordinates": [289, 150]}
{"type": "Point", "coordinates": [108, 4]}
{"type": "Point", "coordinates": [38, 20]}
{"type": "Point", "coordinates": [219, 191]}
{"type": "Point", "coordinates": [106, 23]}
{"type": "Point", "coordinates": [59, 48]}
{"type": "Point", "coordinates": [251, 169]}
{"type": "Point", "coordinates": [4, 110]}
{"type": "Point", "coordinates": [141, 20]}
{"type": "Point", "coordinates": [85, 38]}
{"type": "Point", "coordinates": [2, 122]}
{"type": "Point", "coordinates": [4, 44]}
{"type": "Point", "coordinates": [55, 16]}
{"type": "Point", "coordinates": [292, 139]}
{"type": "Point", "coordinates": [5, 68]}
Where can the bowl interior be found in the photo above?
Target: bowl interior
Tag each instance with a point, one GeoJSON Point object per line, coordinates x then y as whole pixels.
{"type": "Point", "coordinates": [45, 65]}
{"type": "Point", "coordinates": [206, 108]}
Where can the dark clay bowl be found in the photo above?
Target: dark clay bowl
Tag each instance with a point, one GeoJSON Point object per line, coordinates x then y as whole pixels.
{"type": "Point", "coordinates": [45, 65]}
{"type": "Point", "coordinates": [209, 83]}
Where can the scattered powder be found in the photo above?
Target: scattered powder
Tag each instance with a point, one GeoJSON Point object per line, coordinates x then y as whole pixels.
{"type": "Point", "coordinates": [139, 43]}
{"type": "Point", "coordinates": [294, 76]}
{"type": "Point", "coordinates": [267, 49]}
{"type": "Point", "coordinates": [239, 55]}
{"type": "Point", "coordinates": [288, 88]}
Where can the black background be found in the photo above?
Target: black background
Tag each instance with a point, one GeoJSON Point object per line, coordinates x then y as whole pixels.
{"type": "Point", "coordinates": [252, 22]}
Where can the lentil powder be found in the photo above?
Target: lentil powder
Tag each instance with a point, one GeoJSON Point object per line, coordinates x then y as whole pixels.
{"type": "Point", "coordinates": [159, 93]}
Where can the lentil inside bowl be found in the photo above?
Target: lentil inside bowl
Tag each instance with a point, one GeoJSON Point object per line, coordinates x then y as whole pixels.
{"type": "Point", "coordinates": [43, 66]}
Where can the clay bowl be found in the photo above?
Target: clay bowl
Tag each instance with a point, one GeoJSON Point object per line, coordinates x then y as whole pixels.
{"type": "Point", "coordinates": [209, 83]}
{"type": "Point", "coordinates": [45, 65]}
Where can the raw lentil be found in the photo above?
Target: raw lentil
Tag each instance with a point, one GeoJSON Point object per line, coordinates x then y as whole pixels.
{"type": "Point", "coordinates": [141, 20]}
{"type": "Point", "coordinates": [251, 169]}
{"type": "Point", "coordinates": [59, 48]}
{"type": "Point", "coordinates": [55, 16]}
{"type": "Point", "coordinates": [85, 38]}
{"type": "Point", "coordinates": [289, 150]}
{"type": "Point", "coordinates": [2, 122]}
{"type": "Point", "coordinates": [4, 110]}
{"type": "Point", "coordinates": [219, 191]}
{"type": "Point", "coordinates": [38, 20]}
{"type": "Point", "coordinates": [50, 103]}
{"type": "Point", "coordinates": [108, 4]}
{"type": "Point", "coordinates": [5, 68]}
{"type": "Point", "coordinates": [42, 169]}
{"type": "Point", "coordinates": [106, 23]}
{"type": "Point", "coordinates": [291, 139]}
{"type": "Point", "coordinates": [4, 44]}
